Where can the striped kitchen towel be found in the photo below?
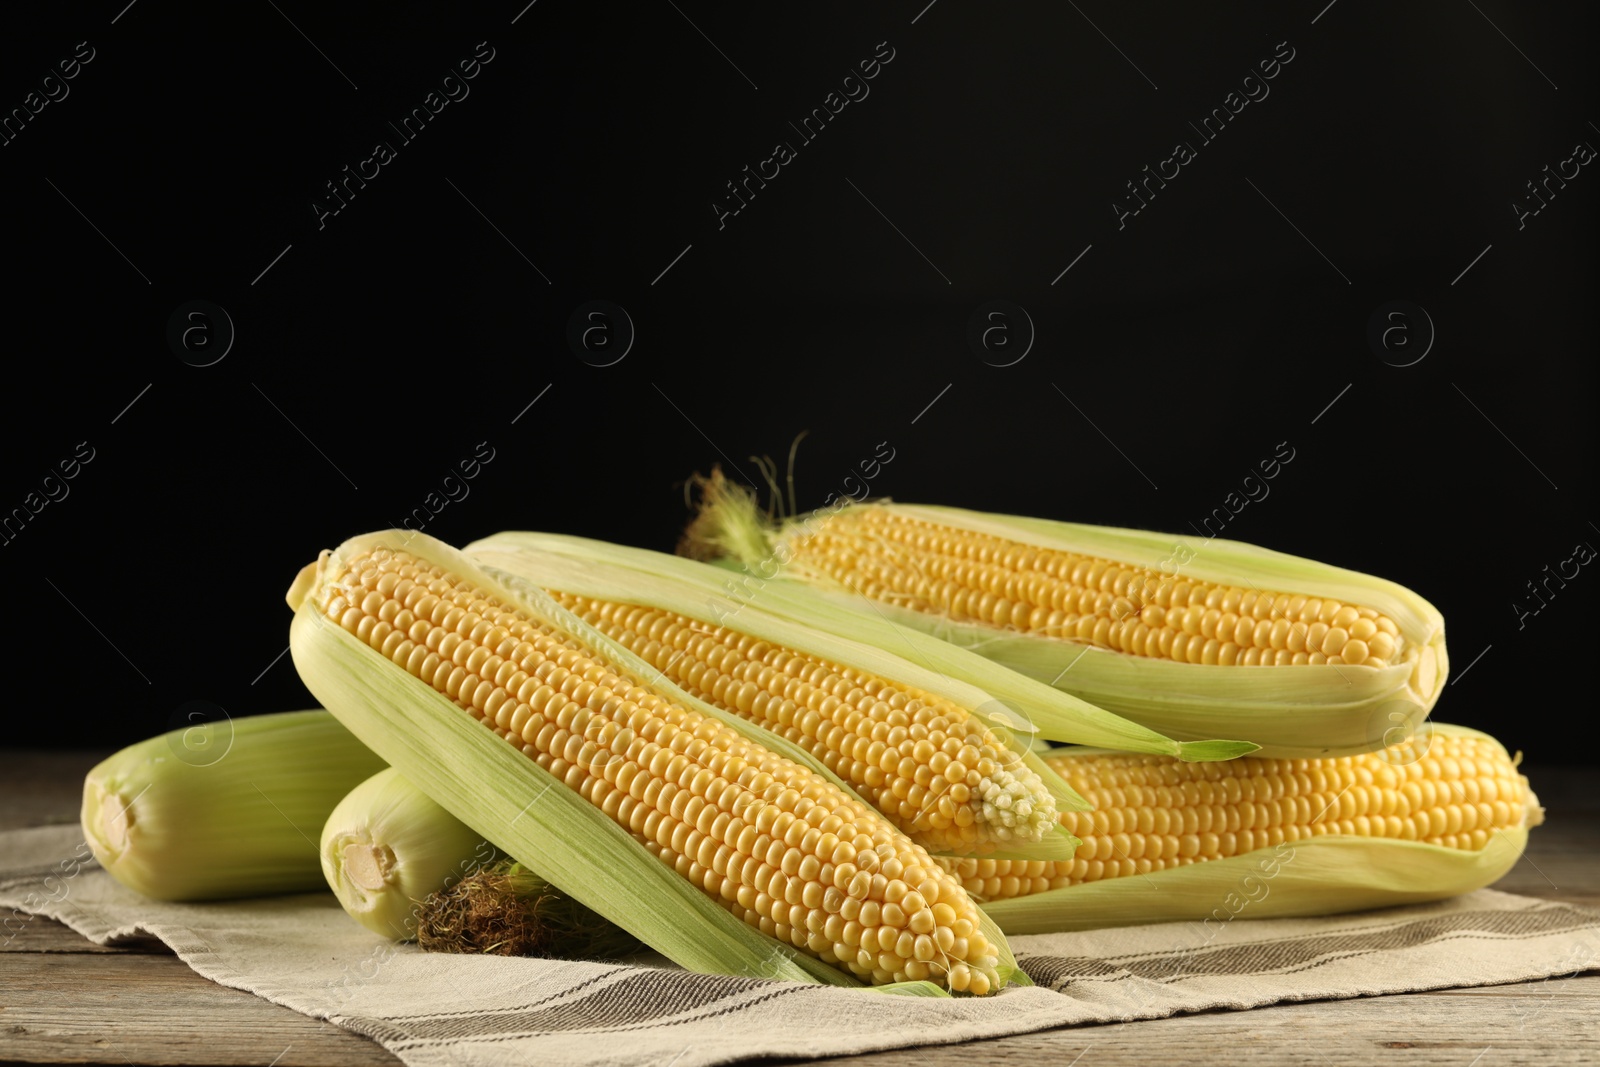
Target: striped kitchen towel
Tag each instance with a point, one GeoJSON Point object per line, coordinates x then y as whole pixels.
{"type": "Point", "coordinates": [304, 953]}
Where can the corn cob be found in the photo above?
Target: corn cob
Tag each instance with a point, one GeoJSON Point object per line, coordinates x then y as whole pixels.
{"type": "Point", "coordinates": [935, 771]}
{"type": "Point", "coordinates": [487, 698]}
{"type": "Point", "coordinates": [1155, 627]}
{"type": "Point", "coordinates": [222, 809]}
{"type": "Point", "coordinates": [1441, 814]}
{"type": "Point", "coordinates": [725, 613]}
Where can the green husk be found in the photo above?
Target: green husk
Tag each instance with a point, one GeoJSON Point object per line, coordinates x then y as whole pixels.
{"type": "Point", "coordinates": [386, 847]}
{"type": "Point", "coordinates": [223, 809]}
{"type": "Point", "coordinates": [507, 798]}
{"type": "Point", "coordinates": [929, 989]}
{"type": "Point", "coordinates": [1319, 876]}
{"type": "Point", "coordinates": [1307, 711]}
{"type": "Point", "coordinates": [1025, 708]}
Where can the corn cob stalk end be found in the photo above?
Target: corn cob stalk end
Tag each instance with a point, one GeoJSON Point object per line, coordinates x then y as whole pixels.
{"type": "Point", "coordinates": [386, 846]}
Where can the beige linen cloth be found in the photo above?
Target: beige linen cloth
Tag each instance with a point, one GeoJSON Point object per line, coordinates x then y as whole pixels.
{"type": "Point", "coordinates": [304, 953]}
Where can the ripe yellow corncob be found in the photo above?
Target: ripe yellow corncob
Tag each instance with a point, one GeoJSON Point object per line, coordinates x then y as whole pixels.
{"type": "Point", "coordinates": [933, 769]}
{"type": "Point", "coordinates": [1434, 809]}
{"type": "Point", "coordinates": [1155, 627]}
{"type": "Point", "coordinates": [980, 577]}
{"type": "Point", "coordinates": [408, 643]}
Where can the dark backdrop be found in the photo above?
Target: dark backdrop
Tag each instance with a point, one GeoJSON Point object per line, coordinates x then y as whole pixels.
{"type": "Point", "coordinates": [376, 346]}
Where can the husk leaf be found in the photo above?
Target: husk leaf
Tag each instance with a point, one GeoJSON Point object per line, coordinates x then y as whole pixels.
{"type": "Point", "coordinates": [1319, 876]}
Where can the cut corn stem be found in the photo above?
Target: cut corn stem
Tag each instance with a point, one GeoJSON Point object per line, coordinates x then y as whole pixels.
{"type": "Point", "coordinates": [535, 730]}
{"type": "Point", "coordinates": [222, 809]}
{"type": "Point", "coordinates": [386, 847]}
{"type": "Point", "coordinates": [1153, 626]}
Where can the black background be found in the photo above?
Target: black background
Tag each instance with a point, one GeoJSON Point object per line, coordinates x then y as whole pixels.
{"type": "Point", "coordinates": [380, 348]}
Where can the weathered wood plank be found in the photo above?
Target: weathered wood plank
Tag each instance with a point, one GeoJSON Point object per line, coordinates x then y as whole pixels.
{"type": "Point", "coordinates": [1536, 1023]}
{"type": "Point", "coordinates": [141, 1009]}
{"type": "Point", "coordinates": [1563, 857]}
{"type": "Point", "coordinates": [43, 787]}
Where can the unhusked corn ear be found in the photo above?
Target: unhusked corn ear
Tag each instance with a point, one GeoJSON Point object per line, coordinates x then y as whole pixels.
{"type": "Point", "coordinates": [405, 868]}
{"type": "Point", "coordinates": [781, 848]}
{"type": "Point", "coordinates": [386, 847]}
{"type": "Point", "coordinates": [222, 809]}
{"type": "Point", "coordinates": [936, 771]}
{"type": "Point", "coordinates": [1452, 790]}
{"type": "Point", "coordinates": [1142, 624]}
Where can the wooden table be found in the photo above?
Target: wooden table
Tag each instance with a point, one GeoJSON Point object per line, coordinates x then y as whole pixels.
{"type": "Point", "coordinates": [64, 1000]}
